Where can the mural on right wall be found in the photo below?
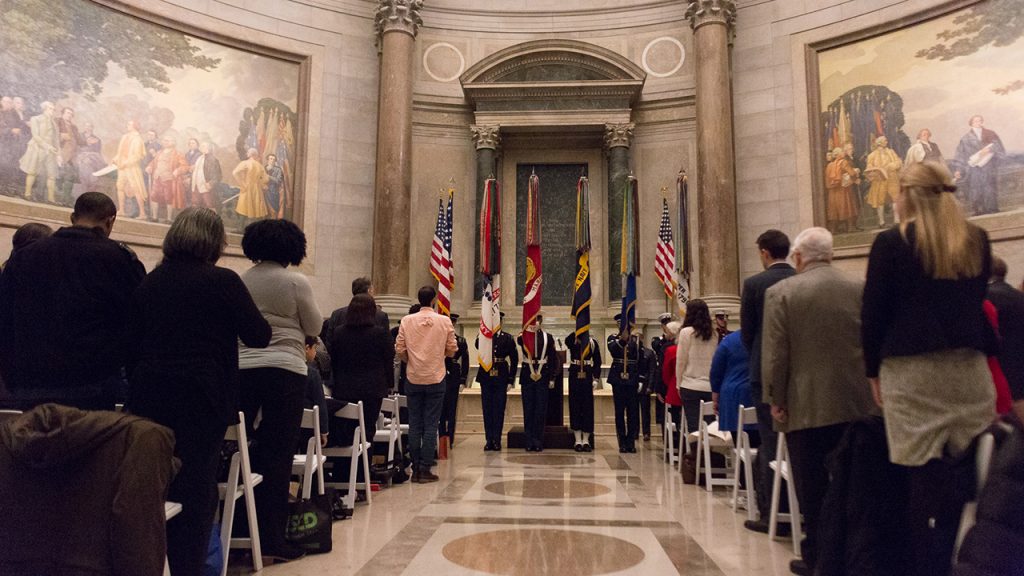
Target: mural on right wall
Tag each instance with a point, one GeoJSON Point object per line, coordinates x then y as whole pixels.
{"type": "Point", "coordinates": [950, 90]}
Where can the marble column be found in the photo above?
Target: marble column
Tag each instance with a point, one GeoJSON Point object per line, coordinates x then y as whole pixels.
{"type": "Point", "coordinates": [397, 22]}
{"type": "Point", "coordinates": [486, 139]}
{"type": "Point", "coordinates": [713, 23]}
{"type": "Point", "coordinates": [617, 140]}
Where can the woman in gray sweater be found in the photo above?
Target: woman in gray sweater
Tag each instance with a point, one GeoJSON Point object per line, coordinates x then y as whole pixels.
{"type": "Point", "coordinates": [273, 379]}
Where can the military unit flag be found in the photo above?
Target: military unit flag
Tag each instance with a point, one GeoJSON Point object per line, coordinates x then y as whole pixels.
{"type": "Point", "coordinates": [490, 269]}
{"type": "Point", "coordinates": [581, 295]}
{"type": "Point", "coordinates": [534, 272]}
{"type": "Point", "coordinates": [684, 266]}
{"type": "Point", "coordinates": [630, 263]}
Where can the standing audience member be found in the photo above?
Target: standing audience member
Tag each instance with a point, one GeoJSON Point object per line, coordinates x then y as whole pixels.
{"type": "Point", "coordinates": [361, 285]}
{"type": "Point", "coordinates": [28, 233]}
{"type": "Point", "coordinates": [537, 376]}
{"type": "Point", "coordinates": [669, 392]}
{"type": "Point", "coordinates": [773, 247]}
{"type": "Point", "coordinates": [694, 353]}
{"type": "Point", "coordinates": [424, 340]}
{"type": "Point", "coordinates": [64, 312]}
{"type": "Point", "coordinates": [273, 379]}
{"type": "Point", "coordinates": [810, 375]}
{"type": "Point", "coordinates": [1009, 303]}
{"type": "Point", "coordinates": [189, 316]}
{"type": "Point", "coordinates": [730, 385]}
{"type": "Point", "coordinates": [495, 386]}
{"type": "Point", "coordinates": [456, 371]}
{"type": "Point", "coordinates": [362, 358]}
{"type": "Point", "coordinates": [315, 389]}
{"type": "Point", "coordinates": [401, 378]}
{"type": "Point", "coordinates": [925, 337]}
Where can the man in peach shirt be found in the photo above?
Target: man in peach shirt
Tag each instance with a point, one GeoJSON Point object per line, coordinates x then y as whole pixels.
{"type": "Point", "coordinates": [424, 340]}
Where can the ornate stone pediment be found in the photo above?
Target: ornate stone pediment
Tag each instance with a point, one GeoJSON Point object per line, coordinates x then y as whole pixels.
{"type": "Point", "coordinates": [555, 81]}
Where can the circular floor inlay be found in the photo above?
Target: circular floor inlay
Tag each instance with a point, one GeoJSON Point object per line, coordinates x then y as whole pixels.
{"type": "Point", "coordinates": [551, 460]}
{"type": "Point", "coordinates": [531, 551]}
{"type": "Point", "coordinates": [547, 488]}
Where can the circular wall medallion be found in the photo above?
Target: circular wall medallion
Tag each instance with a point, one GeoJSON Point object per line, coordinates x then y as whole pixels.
{"type": "Point", "coordinates": [548, 488]}
{"type": "Point", "coordinates": [443, 62]}
{"type": "Point", "coordinates": [531, 551]}
{"type": "Point", "coordinates": [663, 56]}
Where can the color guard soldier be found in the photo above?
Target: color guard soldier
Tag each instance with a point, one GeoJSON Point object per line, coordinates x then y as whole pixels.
{"type": "Point", "coordinates": [624, 376]}
{"type": "Point", "coordinates": [536, 377]}
{"type": "Point", "coordinates": [584, 378]}
{"type": "Point", "coordinates": [456, 370]}
{"type": "Point", "coordinates": [494, 386]}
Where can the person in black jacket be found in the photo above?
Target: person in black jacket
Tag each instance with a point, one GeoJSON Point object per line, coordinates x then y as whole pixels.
{"type": "Point", "coordinates": [456, 370]}
{"type": "Point", "coordinates": [64, 312]}
{"type": "Point", "coordinates": [536, 377]}
{"type": "Point", "coordinates": [495, 385]}
{"type": "Point", "coordinates": [584, 378]}
{"type": "Point", "coordinates": [361, 285]}
{"type": "Point", "coordinates": [362, 357]}
{"type": "Point", "coordinates": [624, 377]}
{"type": "Point", "coordinates": [188, 317]}
{"type": "Point", "coordinates": [1009, 303]}
{"type": "Point", "coordinates": [773, 247]}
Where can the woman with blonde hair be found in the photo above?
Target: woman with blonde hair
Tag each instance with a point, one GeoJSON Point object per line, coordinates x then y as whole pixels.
{"type": "Point", "coordinates": [925, 339]}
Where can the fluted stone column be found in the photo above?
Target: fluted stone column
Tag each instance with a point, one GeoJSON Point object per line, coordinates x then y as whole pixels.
{"type": "Point", "coordinates": [397, 22]}
{"type": "Point", "coordinates": [486, 139]}
{"type": "Point", "coordinates": [617, 140]}
{"type": "Point", "coordinates": [712, 22]}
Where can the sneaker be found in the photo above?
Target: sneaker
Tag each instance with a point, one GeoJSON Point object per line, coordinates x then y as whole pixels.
{"type": "Point", "coordinates": [286, 553]}
{"type": "Point", "coordinates": [427, 477]}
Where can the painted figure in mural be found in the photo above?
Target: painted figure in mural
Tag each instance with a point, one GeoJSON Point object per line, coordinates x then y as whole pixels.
{"type": "Point", "coordinates": [90, 159]}
{"type": "Point", "coordinates": [275, 187]}
{"type": "Point", "coordinates": [70, 143]}
{"type": "Point", "coordinates": [152, 146]}
{"type": "Point", "coordinates": [977, 165]}
{"type": "Point", "coordinates": [131, 151]}
{"type": "Point", "coordinates": [924, 150]}
{"type": "Point", "coordinates": [841, 180]}
{"type": "Point", "coordinates": [251, 178]}
{"type": "Point", "coordinates": [41, 155]}
{"type": "Point", "coordinates": [206, 177]}
{"type": "Point", "coordinates": [14, 136]}
{"type": "Point", "coordinates": [166, 173]}
{"type": "Point", "coordinates": [883, 171]}
{"type": "Point", "coordinates": [192, 155]}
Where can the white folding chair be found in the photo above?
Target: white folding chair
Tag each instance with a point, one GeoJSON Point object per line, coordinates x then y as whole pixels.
{"type": "Point", "coordinates": [358, 450]}
{"type": "Point", "coordinates": [313, 460]}
{"type": "Point", "coordinates": [983, 461]}
{"type": "Point", "coordinates": [388, 427]}
{"type": "Point", "coordinates": [240, 484]}
{"type": "Point", "coordinates": [171, 509]}
{"type": "Point", "coordinates": [709, 439]}
{"type": "Point", "coordinates": [745, 458]}
{"type": "Point", "coordinates": [6, 415]}
{"type": "Point", "coordinates": [668, 433]}
{"type": "Point", "coordinates": [783, 471]}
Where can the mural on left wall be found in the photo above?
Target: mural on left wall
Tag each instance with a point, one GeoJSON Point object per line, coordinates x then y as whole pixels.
{"type": "Point", "coordinates": [92, 98]}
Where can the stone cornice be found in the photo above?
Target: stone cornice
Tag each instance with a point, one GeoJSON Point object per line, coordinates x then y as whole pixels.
{"type": "Point", "coordinates": [701, 12]}
{"type": "Point", "coordinates": [486, 136]}
{"type": "Point", "coordinates": [612, 64]}
{"type": "Point", "coordinates": [398, 16]}
{"type": "Point", "coordinates": [618, 135]}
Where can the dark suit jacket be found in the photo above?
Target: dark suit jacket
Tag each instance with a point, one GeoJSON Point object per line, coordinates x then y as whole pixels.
{"type": "Point", "coordinates": [338, 319]}
{"type": "Point", "coordinates": [362, 362]}
{"type": "Point", "coordinates": [1009, 302]}
{"type": "Point", "coordinates": [752, 312]}
{"type": "Point", "coordinates": [551, 367]}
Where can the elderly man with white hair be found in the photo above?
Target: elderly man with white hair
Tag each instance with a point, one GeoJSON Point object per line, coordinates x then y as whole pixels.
{"type": "Point", "coordinates": [811, 352]}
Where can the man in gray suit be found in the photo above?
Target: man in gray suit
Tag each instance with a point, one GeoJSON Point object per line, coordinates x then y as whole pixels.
{"type": "Point", "coordinates": [810, 374]}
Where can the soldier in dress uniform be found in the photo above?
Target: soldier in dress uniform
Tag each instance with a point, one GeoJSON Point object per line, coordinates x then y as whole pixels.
{"type": "Point", "coordinates": [624, 376]}
{"type": "Point", "coordinates": [536, 377]}
{"type": "Point", "coordinates": [494, 386]}
{"type": "Point", "coordinates": [659, 344]}
{"type": "Point", "coordinates": [456, 370]}
{"type": "Point", "coordinates": [584, 378]}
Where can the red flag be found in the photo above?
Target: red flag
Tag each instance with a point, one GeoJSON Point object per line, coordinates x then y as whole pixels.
{"type": "Point", "coordinates": [534, 276]}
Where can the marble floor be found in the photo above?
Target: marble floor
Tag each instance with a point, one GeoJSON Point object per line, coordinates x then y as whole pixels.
{"type": "Point", "coordinates": [556, 512]}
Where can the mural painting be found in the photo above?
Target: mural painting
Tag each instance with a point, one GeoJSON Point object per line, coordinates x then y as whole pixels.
{"type": "Point", "coordinates": [949, 90]}
{"type": "Point", "coordinates": [95, 99]}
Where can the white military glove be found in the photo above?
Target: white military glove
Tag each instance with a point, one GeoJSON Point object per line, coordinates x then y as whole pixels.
{"type": "Point", "coordinates": [551, 385]}
{"type": "Point", "coordinates": [597, 384]}
{"type": "Point", "coordinates": [463, 386]}
{"type": "Point", "coordinates": [639, 387]}
{"type": "Point", "coordinates": [510, 386]}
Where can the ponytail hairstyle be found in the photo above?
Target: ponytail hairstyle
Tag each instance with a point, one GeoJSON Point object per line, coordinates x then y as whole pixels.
{"type": "Point", "coordinates": [949, 247]}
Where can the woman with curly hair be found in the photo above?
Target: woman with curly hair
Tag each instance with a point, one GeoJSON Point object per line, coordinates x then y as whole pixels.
{"type": "Point", "coordinates": [273, 379]}
{"type": "Point", "coordinates": [695, 350]}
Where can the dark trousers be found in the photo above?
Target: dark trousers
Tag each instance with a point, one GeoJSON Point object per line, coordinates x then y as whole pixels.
{"type": "Point", "coordinates": [446, 426]}
{"type": "Point", "coordinates": [938, 492]}
{"type": "Point", "coordinates": [493, 397]}
{"type": "Point", "coordinates": [659, 411]}
{"type": "Point", "coordinates": [279, 394]}
{"type": "Point", "coordinates": [425, 403]}
{"type": "Point", "coordinates": [581, 405]}
{"type": "Point", "coordinates": [535, 409]}
{"type": "Point", "coordinates": [808, 450]}
{"type": "Point", "coordinates": [627, 414]}
{"type": "Point", "coordinates": [645, 413]}
{"type": "Point", "coordinates": [676, 412]}
{"type": "Point", "coordinates": [691, 407]}
{"type": "Point", "coordinates": [765, 454]}
{"type": "Point", "coordinates": [344, 428]}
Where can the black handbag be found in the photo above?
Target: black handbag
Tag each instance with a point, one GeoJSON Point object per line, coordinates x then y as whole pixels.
{"type": "Point", "coordinates": [309, 523]}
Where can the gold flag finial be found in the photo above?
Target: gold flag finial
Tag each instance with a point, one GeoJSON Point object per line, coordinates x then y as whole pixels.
{"type": "Point", "coordinates": [664, 192]}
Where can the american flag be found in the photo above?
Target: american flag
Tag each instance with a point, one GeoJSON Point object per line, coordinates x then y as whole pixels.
{"type": "Point", "coordinates": [441, 267]}
{"type": "Point", "coordinates": [665, 253]}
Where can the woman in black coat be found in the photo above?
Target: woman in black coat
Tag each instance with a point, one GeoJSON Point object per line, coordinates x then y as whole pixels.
{"type": "Point", "coordinates": [362, 362]}
{"type": "Point", "coordinates": [189, 315]}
